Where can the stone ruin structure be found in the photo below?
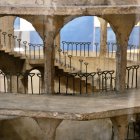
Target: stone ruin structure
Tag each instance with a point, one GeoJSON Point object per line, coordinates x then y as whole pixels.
{"type": "Point", "coordinates": [48, 17]}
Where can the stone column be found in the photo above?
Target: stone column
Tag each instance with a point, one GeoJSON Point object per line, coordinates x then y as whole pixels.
{"type": "Point", "coordinates": [122, 25]}
{"type": "Point", "coordinates": [49, 68]}
{"type": "Point", "coordinates": [121, 63]}
{"type": "Point", "coordinates": [49, 127]}
{"type": "Point", "coordinates": [103, 37]}
{"type": "Point", "coordinates": [120, 126]}
{"type": "Point", "coordinates": [57, 40]}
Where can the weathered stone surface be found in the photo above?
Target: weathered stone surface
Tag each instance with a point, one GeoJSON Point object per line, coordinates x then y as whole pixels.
{"type": "Point", "coordinates": [86, 130]}
{"type": "Point", "coordinates": [20, 129]}
{"type": "Point", "coordinates": [72, 108]}
{"type": "Point", "coordinates": [71, 2]}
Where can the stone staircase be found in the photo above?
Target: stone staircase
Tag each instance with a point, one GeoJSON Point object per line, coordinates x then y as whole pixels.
{"type": "Point", "coordinates": [60, 68]}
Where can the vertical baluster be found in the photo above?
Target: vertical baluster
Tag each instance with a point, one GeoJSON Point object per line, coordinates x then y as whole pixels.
{"type": "Point", "coordinates": [111, 78]}
{"type": "Point", "coordinates": [88, 47]}
{"type": "Point", "coordinates": [92, 75]}
{"type": "Point", "coordinates": [84, 48]}
{"type": "Point", "coordinates": [81, 48]}
{"type": "Point", "coordinates": [81, 61]}
{"type": "Point", "coordinates": [86, 75]}
{"type": "Point", "coordinates": [70, 56]}
{"type": "Point", "coordinates": [128, 75]}
{"type": "Point", "coordinates": [14, 37]}
{"type": "Point", "coordinates": [25, 47]}
{"type": "Point", "coordinates": [19, 45]}
{"type": "Point", "coordinates": [65, 57]}
{"type": "Point", "coordinates": [31, 76]}
{"type": "Point", "coordinates": [18, 74]}
{"type": "Point", "coordinates": [132, 77]}
{"type": "Point", "coordinates": [59, 76]}
{"type": "Point", "coordinates": [39, 76]}
{"type": "Point", "coordinates": [86, 64]}
{"type": "Point", "coordinates": [76, 47]}
{"type": "Point", "coordinates": [63, 42]}
{"type": "Point", "coordinates": [4, 38]}
{"type": "Point", "coordinates": [96, 48]}
{"type": "Point", "coordinates": [72, 48]}
{"type": "Point", "coordinates": [30, 49]}
{"type": "Point", "coordinates": [99, 77]}
{"type": "Point", "coordinates": [80, 76]}
{"type": "Point", "coordinates": [136, 77]}
{"type": "Point", "coordinates": [68, 47]}
{"type": "Point", "coordinates": [67, 82]}
{"type": "Point", "coordinates": [10, 42]}
{"type": "Point", "coordinates": [74, 76]}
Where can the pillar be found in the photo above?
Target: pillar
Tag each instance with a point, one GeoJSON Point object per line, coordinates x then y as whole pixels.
{"type": "Point", "coordinates": [49, 127]}
{"type": "Point", "coordinates": [103, 37]}
{"type": "Point", "coordinates": [57, 40]}
{"type": "Point", "coordinates": [120, 126]}
{"type": "Point", "coordinates": [122, 25]}
{"type": "Point", "coordinates": [49, 69]}
{"type": "Point", "coordinates": [121, 63]}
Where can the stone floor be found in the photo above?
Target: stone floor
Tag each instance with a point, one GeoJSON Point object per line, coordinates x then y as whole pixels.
{"type": "Point", "coordinates": [70, 107]}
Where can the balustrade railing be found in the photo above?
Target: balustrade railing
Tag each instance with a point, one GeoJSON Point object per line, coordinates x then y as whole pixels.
{"type": "Point", "coordinates": [87, 49]}
{"type": "Point", "coordinates": [14, 44]}
{"type": "Point", "coordinates": [132, 76]}
{"type": "Point", "coordinates": [68, 83]}
{"type": "Point", "coordinates": [85, 83]}
{"type": "Point", "coordinates": [21, 83]}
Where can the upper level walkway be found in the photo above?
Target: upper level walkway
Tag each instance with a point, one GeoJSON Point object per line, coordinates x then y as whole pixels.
{"type": "Point", "coordinates": [69, 107]}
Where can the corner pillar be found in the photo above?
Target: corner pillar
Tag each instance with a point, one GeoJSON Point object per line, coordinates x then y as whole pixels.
{"type": "Point", "coordinates": [120, 126]}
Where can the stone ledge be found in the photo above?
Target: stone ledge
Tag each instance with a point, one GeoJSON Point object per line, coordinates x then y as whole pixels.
{"type": "Point", "coordinates": [68, 10]}
{"type": "Point", "coordinates": [70, 108]}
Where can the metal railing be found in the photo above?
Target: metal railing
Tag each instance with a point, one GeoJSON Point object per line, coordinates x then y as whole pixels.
{"type": "Point", "coordinates": [85, 83]}
{"type": "Point", "coordinates": [20, 83]}
{"type": "Point", "coordinates": [132, 76]}
{"type": "Point", "coordinates": [87, 49]}
{"type": "Point", "coordinates": [14, 44]}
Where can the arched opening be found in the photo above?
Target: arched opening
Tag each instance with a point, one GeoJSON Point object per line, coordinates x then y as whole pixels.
{"type": "Point", "coordinates": [34, 82]}
{"type": "Point", "coordinates": [19, 36]}
{"type": "Point", "coordinates": [27, 40]}
{"type": "Point", "coordinates": [87, 46]}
